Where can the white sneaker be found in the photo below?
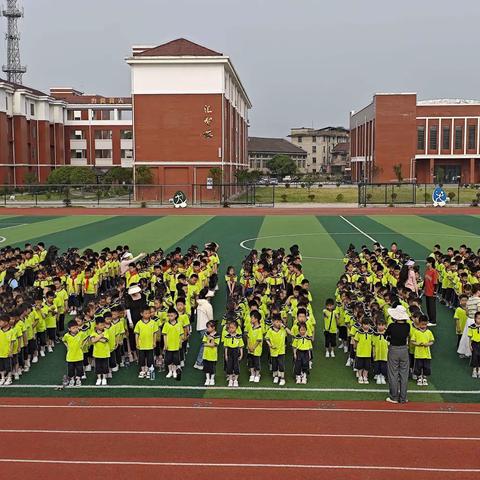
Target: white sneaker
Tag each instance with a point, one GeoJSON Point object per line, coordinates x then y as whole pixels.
{"type": "Point", "coordinates": [256, 379]}
{"type": "Point", "coordinates": [379, 380]}
{"type": "Point", "coordinates": [26, 369]}
{"type": "Point", "coordinates": [174, 374]}
{"type": "Point", "coordinates": [275, 379]}
{"type": "Point", "coordinates": [252, 378]}
{"type": "Point", "coordinates": [230, 382]}
{"type": "Point", "coordinates": [425, 382]}
{"type": "Point", "coordinates": [109, 375]}
{"type": "Point", "coordinates": [35, 359]}
{"type": "Point", "coordinates": [327, 354]}
{"type": "Point", "coordinates": [207, 382]}
{"type": "Point", "coordinates": [304, 378]}
{"type": "Point", "coordinates": [71, 383]}
{"type": "Point", "coordinates": [141, 374]}
{"type": "Point", "coordinates": [169, 374]}
{"type": "Point", "coordinates": [235, 383]}
{"type": "Point", "coordinates": [282, 382]}
{"type": "Point", "coordinates": [42, 353]}
{"type": "Point", "coordinates": [384, 380]}
{"type": "Point", "coordinates": [298, 379]}
{"type": "Point", "coordinates": [98, 382]}
{"type": "Point", "coordinates": [419, 382]}
{"type": "Point", "coordinates": [2, 381]}
{"type": "Point", "coordinates": [88, 368]}
{"type": "Point", "coordinates": [389, 400]}
{"type": "Point", "coordinates": [78, 383]}
{"type": "Point", "coordinates": [349, 362]}
{"type": "Point", "coordinates": [115, 368]}
{"type": "Point", "coordinates": [474, 374]}
{"type": "Point", "coordinates": [360, 379]}
{"type": "Point", "coordinates": [50, 349]}
{"type": "Point", "coordinates": [198, 367]}
{"type": "Point", "coordinates": [8, 381]}
{"type": "Point", "coordinates": [16, 376]}
{"type": "Point", "coordinates": [104, 381]}
{"type": "Point", "coordinates": [182, 363]}
{"type": "Point", "coordinates": [345, 349]}
{"type": "Point", "coordinates": [84, 377]}
{"type": "Point", "coordinates": [212, 381]}
{"type": "Point", "coordinates": [365, 380]}
{"type": "Point", "coordinates": [332, 354]}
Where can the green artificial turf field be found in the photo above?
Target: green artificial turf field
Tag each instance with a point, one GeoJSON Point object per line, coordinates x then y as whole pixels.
{"type": "Point", "coordinates": [322, 240]}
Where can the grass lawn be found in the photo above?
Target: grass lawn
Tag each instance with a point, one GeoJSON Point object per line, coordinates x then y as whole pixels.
{"type": "Point", "coordinates": [322, 241]}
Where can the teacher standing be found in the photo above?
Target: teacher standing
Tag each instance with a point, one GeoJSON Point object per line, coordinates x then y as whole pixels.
{"type": "Point", "coordinates": [398, 334]}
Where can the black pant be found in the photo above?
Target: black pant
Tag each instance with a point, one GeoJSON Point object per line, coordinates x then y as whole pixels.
{"type": "Point", "coordinates": [209, 367]}
{"type": "Point", "coordinates": [75, 369]}
{"type": "Point", "coordinates": [302, 361]}
{"type": "Point", "coordinates": [431, 309]}
{"type": "Point", "coordinates": [278, 363]}
{"type": "Point", "coordinates": [232, 363]}
{"type": "Point", "coordinates": [145, 358]}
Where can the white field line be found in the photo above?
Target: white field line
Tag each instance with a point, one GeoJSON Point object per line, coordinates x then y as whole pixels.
{"type": "Point", "coordinates": [358, 229]}
{"type": "Point", "coordinates": [237, 434]}
{"type": "Point", "coordinates": [242, 465]}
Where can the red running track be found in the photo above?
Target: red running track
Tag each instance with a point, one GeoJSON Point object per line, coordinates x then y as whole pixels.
{"type": "Point", "coordinates": [191, 439]}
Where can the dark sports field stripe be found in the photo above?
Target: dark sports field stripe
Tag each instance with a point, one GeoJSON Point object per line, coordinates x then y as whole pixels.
{"type": "Point", "coordinates": [468, 223]}
{"type": "Point", "coordinates": [85, 235]}
{"type": "Point", "coordinates": [7, 221]}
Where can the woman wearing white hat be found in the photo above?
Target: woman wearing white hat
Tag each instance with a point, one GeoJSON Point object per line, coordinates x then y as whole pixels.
{"type": "Point", "coordinates": [398, 334]}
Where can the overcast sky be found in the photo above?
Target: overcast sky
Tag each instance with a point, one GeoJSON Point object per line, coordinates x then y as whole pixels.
{"type": "Point", "coordinates": [303, 62]}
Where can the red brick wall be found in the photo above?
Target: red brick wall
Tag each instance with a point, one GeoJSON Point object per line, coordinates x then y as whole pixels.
{"type": "Point", "coordinates": [395, 134]}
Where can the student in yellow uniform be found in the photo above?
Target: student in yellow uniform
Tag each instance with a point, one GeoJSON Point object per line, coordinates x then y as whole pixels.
{"type": "Point", "coordinates": [50, 314]}
{"type": "Point", "coordinates": [302, 346]}
{"type": "Point", "coordinates": [474, 339]}
{"type": "Point", "coordinates": [184, 320]}
{"type": "Point", "coordinates": [119, 330]}
{"type": "Point", "coordinates": [460, 317]}
{"type": "Point", "coordinates": [61, 302]}
{"type": "Point", "coordinates": [380, 353]}
{"type": "Point", "coordinates": [233, 351]}
{"type": "Point", "coordinates": [330, 324]}
{"type": "Point", "coordinates": [145, 338]}
{"type": "Point", "coordinates": [422, 338]}
{"type": "Point", "coordinates": [6, 350]}
{"type": "Point", "coordinates": [74, 340]}
{"type": "Point", "coordinates": [101, 351]}
{"type": "Point", "coordinates": [363, 350]}
{"type": "Point", "coordinates": [254, 345]}
{"type": "Point", "coordinates": [210, 340]}
{"type": "Point", "coordinates": [172, 332]}
{"type": "Point", "coordinates": [276, 337]}
{"type": "Point", "coordinates": [89, 286]}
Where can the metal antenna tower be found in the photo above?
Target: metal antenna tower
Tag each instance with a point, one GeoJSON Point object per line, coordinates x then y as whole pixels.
{"type": "Point", "coordinates": [13, 69]}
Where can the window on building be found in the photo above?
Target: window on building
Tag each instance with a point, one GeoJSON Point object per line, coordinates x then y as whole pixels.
{"type": "Point", "coordinates": [125, 115]}
{"type": "Point", "coordinates": [299, 139]}
{"type": "Point", "coordinates": [314, 139]}
{"type": "Point", "coordinates": [314, 149]}
{"type": "Point", "coordinates": [77, 115]}
{"type": "Point", "coordinates": [314, 160]}
{"type": "Point", "coordinates": [103, 134]}
{"type": "Point", "coordinates": [324, 149]}
{"type": "Point", "coordinates": [32, 109]}
{"type": "Point", "coordinates": [103, 154]}
{"type": "Point", "coordinates": [433, 137]}
{"type": "Point", "coordinates": [78, 154]}
{"type": "Point", "coordinates": [446, 138]}
{"type": "Point", "coordinates": [127, 154]}
{"type": "Point", "coordinates": [128, 135]}
{"type": "Point", "coordinates": [77, 135]}
{"type": "Point", "coordinates": [472, 137]}
{"type": "Point", "coordinates": [420, 138]}
{"type": "Point", "coordinates": [458, 138]}
{"type": "Point", "coordinates": [314, 170]}
{"type": "Point", "coordinates": [102, 114]}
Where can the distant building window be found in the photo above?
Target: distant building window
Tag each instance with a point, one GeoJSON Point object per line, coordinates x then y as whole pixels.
{"type": "Point", "coordinates": [314, 160]}
{"type": "Point", "coordinates": [446, 138]}
{"type": "Point", "coordinates": [433, 138]}
{"type": "Point", "coordinates": [103, 154]}
{"type": "Point", "coordinates": [127, 154]}
{"type": "Point", "coordinates": [299, 139]}
{"type": "Point", "coordinates": [458, 138]}
{"type": "Point", "coordinates": [76, 135]}
{"type": "Point", "coordinates": [314, 170]}
{"type": "Point", "coordinates": [314, 149]}
{"type": "Point", "coordinates": [32, 109]}
{"type": "Point", "coordinates": [77, 115]}
{"type": "Point", "coordinates": [472, 134]}
{"type": "Point", "coordinates": [420, 138]}
{"type": "Point", "coordinates": [78, 153]}
{"type": "Point", "coordinates": [314, 139]}
{"type": "Point", "coordinates": [128, 135]}
{"type": "Point", "coordinates": [103, 134]}
{"type": "Point", "coordinates": [125, 115]}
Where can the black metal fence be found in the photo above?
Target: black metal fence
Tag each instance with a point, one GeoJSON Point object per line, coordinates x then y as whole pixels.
{"type": "Point", "coordinates": [124, 195]}
{"type": "Point", "coordinates": [415, 194]}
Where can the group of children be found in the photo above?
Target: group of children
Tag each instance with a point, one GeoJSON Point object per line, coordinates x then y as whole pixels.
{"type": "Point", "coordinates": [122, 309]}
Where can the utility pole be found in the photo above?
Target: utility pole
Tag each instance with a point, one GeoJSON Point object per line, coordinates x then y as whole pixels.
{"type": "Point", "coordinates": [14, 68]}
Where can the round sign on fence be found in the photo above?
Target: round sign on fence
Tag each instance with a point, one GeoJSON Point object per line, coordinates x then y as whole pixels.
{"type": "Point", "coordinates": [179, 199]}
{"type": "Point", "coordinates": [439, 197]}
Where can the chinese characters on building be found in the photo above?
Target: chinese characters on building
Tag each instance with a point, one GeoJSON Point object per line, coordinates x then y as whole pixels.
{"type": "Point", "coordinates": [208, 121]}
{"type": "Point", "coordinates": [105, 101]}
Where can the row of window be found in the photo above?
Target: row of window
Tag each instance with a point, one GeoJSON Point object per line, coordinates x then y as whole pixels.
{"type": "Point", "coordinates": [99, 114]}
{"type": "Point", "coordinates": [323, 139]}
{"type": "Point", "coordinates": [446, 141]}
{"type": "Point", "coordinates": [101, 135]}
{"type": "Point", "coordinates": [100, 154]}
{"type": "Point", "coordinates": [259, 164]}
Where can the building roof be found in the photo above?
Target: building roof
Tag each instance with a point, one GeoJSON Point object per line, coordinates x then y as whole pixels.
{"type": "Point", "coordinates": [273, 145]}
{"type": "Point", "coordinates": [447, 101]}
{"type": "Point", "coordinates": [341, 148]}
{"type": "Point", "coordinates": [181, 47]}
{"type": "Point", "coordinates": [17, 86]}
{"type": "Point", "coordinates": [314, 132]}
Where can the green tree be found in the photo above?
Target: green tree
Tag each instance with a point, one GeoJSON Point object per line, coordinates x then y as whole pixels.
{"type": "Point", "coordinates": [216, 174]}
{"type": "Point", "coordinates": [397, 170]}
{"type": "Point", "coordinates": [245, 176]}
{"type": "Point", "coordinates": [30, 178]}
{"type": "Point", "coordinates": [59, 176]}
{"type": "Point", "coordinates": [309, 180]}
{"type": "Point", "coordinates": [82, 176]}
{"type": "Point", "coordinates": [281, 166]}
{"type": "Point", "coordinates": [143, 176]}
{"type": "Point", "coordinates": [118, 175]}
